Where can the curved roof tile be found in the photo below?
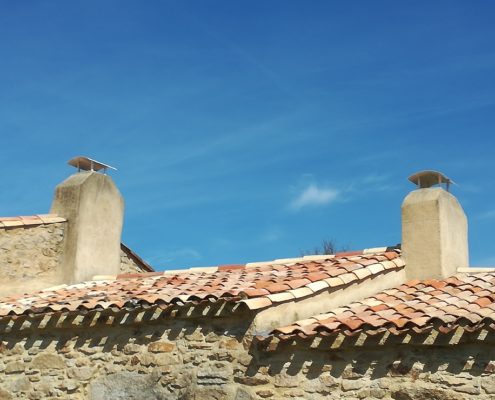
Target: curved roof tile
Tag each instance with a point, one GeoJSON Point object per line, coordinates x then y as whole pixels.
{"type": "Point", "coordinates": [466, 300]}
{"type": "Point", "coordinates": [257, 285]}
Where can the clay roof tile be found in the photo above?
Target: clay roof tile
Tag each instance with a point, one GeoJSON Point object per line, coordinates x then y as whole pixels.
{"type": "Point", "coordinates": [416, 306]}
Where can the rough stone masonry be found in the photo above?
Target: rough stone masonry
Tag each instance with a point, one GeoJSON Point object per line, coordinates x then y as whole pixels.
{"type": "Point", "coordinates": [134, 356]}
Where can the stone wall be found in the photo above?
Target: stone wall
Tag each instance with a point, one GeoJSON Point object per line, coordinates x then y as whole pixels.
{"type": "Point", "coordinates": [30, 257]}
{"type": "Point", "coordinates": [129, 265]}
{"type": "Point", "coordinates": [400, 372]}
{"type": "Point", "coordinates": [216, 359]}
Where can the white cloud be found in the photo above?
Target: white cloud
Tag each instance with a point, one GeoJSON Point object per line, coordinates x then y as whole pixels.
{"type": "Point", "coordinates": [315, 196]}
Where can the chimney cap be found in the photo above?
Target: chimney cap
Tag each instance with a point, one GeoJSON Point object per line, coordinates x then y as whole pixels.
{"type": "Point", "coordinates": [428, 178]}
{"type": "Point", "coordinates": [88, 164]}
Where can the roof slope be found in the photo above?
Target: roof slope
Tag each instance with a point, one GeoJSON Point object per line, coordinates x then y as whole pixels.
{"type": "Point", "coordinates": [464, 300]}
{"type": "Point", "coordinates": [257, 285]}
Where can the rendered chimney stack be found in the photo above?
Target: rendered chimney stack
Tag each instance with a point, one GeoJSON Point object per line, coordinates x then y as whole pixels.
{"type": "Point", "coordinates": [434, 229]}
{"type": "Point", "coordinates": [94, 208]}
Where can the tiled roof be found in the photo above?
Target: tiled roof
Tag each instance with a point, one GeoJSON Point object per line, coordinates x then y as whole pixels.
{"type": "Point", "coordinates": [257, 285]}
{"type": "Point", "coordinates": [32, 220]}
{"type": "Point", "coordinates": [465, 300]}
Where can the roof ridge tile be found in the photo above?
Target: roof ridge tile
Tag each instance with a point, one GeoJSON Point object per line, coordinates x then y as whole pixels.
{"type": "Point", "coordinates": [30, 220]}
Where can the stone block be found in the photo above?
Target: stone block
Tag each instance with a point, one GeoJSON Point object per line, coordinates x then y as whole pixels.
{"type": "Point", "coordinates": [14, 367]}
{"type": "Point", "coordinates": [244, 359]}
{"type": "Point", "coordinates": [68, 385]}
{"type": "Point", "coordinates": [127, 385]}
{"type": "Point", "coordinates": [255, 380]}
{"type": "Point", "coordinates": [161, 347]}
{"type": "Point", "coordinates": [214, 373]}
{"type": "Point", "coordinates": [196, 336]}
{"type": "Point", "coordinates": [93, 350]}
{"type": "Point", "coordinates": [417, 392]}
{"type": "Point", "coordinates": [200, 346]}
{"type": "Point", "coordinates": [164, 359]}
{"type": "Point", "coordinates": [48, 361]}
{"type": "Point", "coordinates": [285, 380]}
{"type": "Point", "coordinates": [243, 394]}
{"type": "Point", "coordinates": [222, 356]}
{"type": "Point", "coordinates": [354, 384]}
{"type": "Point", "coordinates": [81, 374]}
{"type": "Point", "coordinates": [132, 348]}
{"type": "Point", "coordinates": [230, 344]}
{"type": "Point", "coordinates": [469, 389]}
{"type": "Point", "coordinates": [147, 359]}
{"type": "Point", "coordinates": [19, 385]}
{"type": "Point", "coordinates": [328, 381]}
{"type": "Point", "coordinates": [265, 393]}
{"type": "Point", "coordinates": [488, 385]}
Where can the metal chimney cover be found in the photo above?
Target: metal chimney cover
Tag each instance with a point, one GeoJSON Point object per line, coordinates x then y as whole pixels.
{"type": "Point", "coordinates": [88, 164]}
{"type": "Point", "coordinates": [429, 178]}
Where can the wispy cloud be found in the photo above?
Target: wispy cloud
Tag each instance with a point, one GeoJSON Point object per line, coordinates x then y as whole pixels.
{"type": "Point", "coordinates": [168, 258]}
{"type": "Point", "coordinates": [271, 235]}
{"type": "Point", "coordinates": [313, 195]}
{"type": "Point", "coordinates": [376, 183]}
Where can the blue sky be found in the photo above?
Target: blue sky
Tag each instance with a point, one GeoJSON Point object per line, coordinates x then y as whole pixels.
{"type": "Point", "coordinates": [248, 131]}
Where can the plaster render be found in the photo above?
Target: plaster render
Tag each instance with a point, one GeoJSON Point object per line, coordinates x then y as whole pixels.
{"type": "Point", "coordinates": [286, 313]}
{"type": "Point", "coordinates": [94, 208]}
{"type": "Point", "coordinates": [434, 234]}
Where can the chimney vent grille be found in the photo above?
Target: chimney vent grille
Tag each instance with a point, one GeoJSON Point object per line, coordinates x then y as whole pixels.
{"type": "Point", "coordinates": [429, 178]}
{"type": "Point", "coordinates": [88, 164]}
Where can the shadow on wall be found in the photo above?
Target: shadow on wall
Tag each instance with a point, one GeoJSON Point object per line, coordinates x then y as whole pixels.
{"type": "Point", "coordinates": [126, 355]}
{"type": "Point", "coordinates": [375, 358]}
{"type": "Point", "coordinates": [151, 355]}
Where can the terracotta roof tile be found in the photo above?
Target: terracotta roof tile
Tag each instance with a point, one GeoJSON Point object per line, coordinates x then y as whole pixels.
{"type": "Point", "coordinates": [297, 283]}
{"type": "Point", "coordinates": [348, 278]}
{"type": "Point", "coordinates": [230, 267]}
{"type": "Point", "coordinates": [362, 273]}
{"type": "Point", "coordinates": [318, 286]}
{"type": "Point", "coordinates": [335, 282]}
{"type": "Point", "coordinates": [301, 292]}
{"type": "Point", "coordinates": [416, 306]}
{"type": "Point", "coordinates": [31, 220]}
{"type": "Point", "coordinates": [280, 297]}
{"type": "Point", "coordinates": [257, 285]}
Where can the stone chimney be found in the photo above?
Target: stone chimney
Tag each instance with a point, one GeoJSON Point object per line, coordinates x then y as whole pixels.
{"type": "Point", "coordinates": [94, 209]}
{"type": "Point", "coordinates": [434, 229]}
